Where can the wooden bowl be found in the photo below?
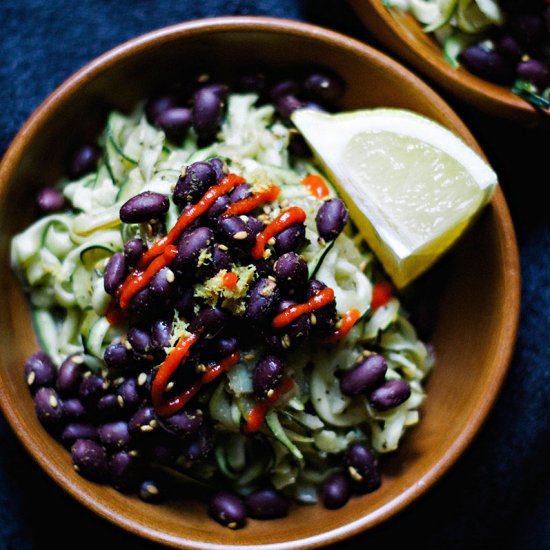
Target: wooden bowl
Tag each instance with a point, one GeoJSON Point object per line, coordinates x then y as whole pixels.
{"type": "Point", "coordinates": [401, 33]}
{"type": "Point", "coordinates": [477, 307]}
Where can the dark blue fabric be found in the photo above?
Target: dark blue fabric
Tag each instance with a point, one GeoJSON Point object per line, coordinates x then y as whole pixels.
{"type": "Point", "coordinates": [498, 494]}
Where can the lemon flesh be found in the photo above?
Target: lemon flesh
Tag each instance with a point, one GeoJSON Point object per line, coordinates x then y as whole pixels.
{"type": "Point", "coordinates": [411, 185]}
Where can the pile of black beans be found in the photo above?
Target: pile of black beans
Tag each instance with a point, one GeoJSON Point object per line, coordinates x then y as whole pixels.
{"type": "Point", "coordinates": [106, 418]}
{"type": "Point", "coordinates": [519, 50]}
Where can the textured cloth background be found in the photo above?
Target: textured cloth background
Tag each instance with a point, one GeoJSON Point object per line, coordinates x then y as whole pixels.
{"type": "Point", "coordinates": [498, 494]}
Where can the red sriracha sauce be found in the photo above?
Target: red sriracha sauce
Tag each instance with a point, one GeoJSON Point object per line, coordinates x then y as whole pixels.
{"type": "Point", "coordinates": [138, 280]}
{"type": "Point", "coordinates": [381, 294]}
{"type": "Point", "coordinates": [316, 186]}
{"type": "Point", "coordinates": [256, 416]}
{"type": "Point", "coordinates": [230, 280]}
{"type": "Point", "coordinates": [114, 314]}
{"type": "Point", "coordinates": [280, 223]}
{"type": "Point", "coordinates": [346, 324]}
{"type": "Point", "coordinates": [249, 203]}
{"type": "Point", "coordinates": [322, 298]}
{"type": "Point", "coordinates": [189, 216]}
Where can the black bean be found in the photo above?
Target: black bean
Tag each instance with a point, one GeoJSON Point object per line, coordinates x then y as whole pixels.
{"type": "Point", "coordinates": [73, 410]}
{"type": "Point", "coordinates": [362, 468]}
{"type": "Point", "coordinates": [209, 320]}
{"type": "Point", "coordinates": [214, 212]}
{"type": "Point", "coordinates": [184, 422]}
{"type": "Point", "coordinates": [219, 168]}
{"type": "Point", "coordinates": [534, 71]}
{"type": "Point", "coordinates": [390, 395]}
{"type": "Point", "coordinates": [184, 302]}
{"type": "Point", "coordinates": [262, 303]}
{"type": "Point", "coordinates": [367, 375]}
{"type": "Point", "coordinates": [175, 122]}
{"type": "Point", "coordinates": [50, 200]}
{"type": "Point", "coordinates": [284, 88]}
{"type": "Point", "coordinates": [124, 470]}
{"type": "Point", "coordinates": [143, 421]}
{"type": "Point", "coordinates": [133, 250]}
{"type": "Point", "coordinates": [158, 105]}
{"type": "Point", "coordinates": [91, 389]}
{"type": "Point", "coordinates": [90, 459]}
{"type": "Point", "coordinates": [161, 284]}
{"type": "Point", "coordinates": [151, 491]}
{"type": "Point", "coordinates": [488, 64]}
{"type": "Point", "coordinates": [221, 90]}
{"type": "Point", "coordinates": [296, 332]}
{"type": "Point", "coordinates": [323, 88]}
{"type": "Point", "coordinates": [508, 46]}
{"type": "Point", "coordinates": [163, 448]}
{"type": "Point", "coordinates": [254, 224]}
{"type": "Point", "coordinates": [143, 304]}
{"type": "Point", "coordinates": [70, 375]}
{"type": "Point", "coordinates": [291, 238]}
{"type": "Point", "coordinates": [190, 247]}
{"type": "Point", "coordinates": [200, 445]}
{"type": "Point", "coordinates": [207, 113]}
{"type": "Point", "coordinates": [78, 430]}
{"type": "Point", "coordinates": [139, 339]}
{"type": "Point", "coordinates": [161, 332]}
{"type": "Point", "coordinates": [144, 207]}
{"type": "Point", "coordinates": [108, 408]}
{"type": "Point", "coordinates": [129, 395]}
{"type": "Point", "coordinates": [264, 266]}
{"type": "Point", "coordinates": [291, 272]}
{"type": "Point", "coordinates": [115, 435]}
{"type": "Point", "coordinates": [236, 233]}
{"type": "Point", "coordinates": [228, 509]}
{"type": "Point", "coordinates": [241, 192]}
{"type": "Point", "coordinates": [39, 371]}
{"type": "Point", "coordinates": [221, 259]}
{"type": "Point", "coordinates": [267, 375]}
{"type": "Point", "coordinates": [298, 147]}
{"type": "Point", "coordinates": [267, 504]}
{"type": "Point", "coordinates": [115, 273]}
{"type": "Point", "coordinates": [83, 161]}
{"type": "Point", "coordinates": [48, 408]}
{"type": "Point", "coordinates": [220, 347]}
{"type": "Point", "coordinates": [194, 183]}
{"type": "Point", "coordinates": [323, 320]}
{"type": "Point", "coordinates": [118, 357]}
{"type": "Point", "coordinates": [336, 491]}
{"type": "Point", "coordinates": [331, 219]}
{"type": "Point", "coordinates": [287, 104]}
{"type": "Point", "coordinates": [314, 286]}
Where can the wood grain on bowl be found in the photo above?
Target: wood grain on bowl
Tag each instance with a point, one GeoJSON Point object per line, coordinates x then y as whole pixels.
{"type": "Point", "coordinates": [478, 306]}
{"type": "Point", "coordinates": [402, 34]}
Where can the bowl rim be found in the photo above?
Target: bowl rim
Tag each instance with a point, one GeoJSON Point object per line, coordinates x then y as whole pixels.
{"type": "Point", "coordinates": [487, 96]}
{"type": "Point", "coordinates": [508, 327]}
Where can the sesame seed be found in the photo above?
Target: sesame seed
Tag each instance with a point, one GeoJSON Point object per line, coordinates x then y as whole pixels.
{"type": "Point", "coordinates": [267, 254]}
{"type": "Point", "coordinates": [118, 381]}
{"type": "Point", "coordinates": [271, 278]}
{"type": "Point", "coordinates": [244, 218]}
{"type": "Point", "coordinates": [76, 468]}
{"type": "Point", "coordinates": [285, 341]}
{"type": "Point", "coordinates": [223, 247]}
{"type": "Point", "coordinates": [313, 319]}
{"type": "Point", "coordinates": [53, 402]}
{"type": "Point", "coordinates": [525, 57]}
{"type": "Point", "coordinates": [201, 367]}
{"type": "Point", "coordinates": [285, 203]}
{"type": "Point", "coordinates": [105, 385]}
{"type": "Point", "coordinates": [249, 356]}
{"type": "Point", "coordinates": [232, 525]}
{"type": "Point", "coordinates": [154, 423]}
{"type": "Point", "coordinates": [271, 241]}
{"type": "Point", "coordinates": [31, 378]}
{"type": "Point", "coordinates": [204, 77]}
{"type": "Point", "coordinates": [240, 235]}
{"type": "Point", "coordinates": [169, 386]}
{"type": "Point", "coordinates": [354, 474]}
{"type": "Point", "coordinates": [87, 373]}
{"type": "Point", "coordinates": [152, 489]}
{"type": "Point", "coordinates": [120, 400]}
{"type": "Point", "coordinates": [141, 379]}
{"type": "Point", "coordinates": [363, 265]}
{"type": "Point", "coordinates": [127, 345]}
{"type": "Point", "coordinates": [267, 209]}
{"type": "Point", "coordinates": [146, 428]}
{"type": "Point", "coordinates": [133, 453]}
{"type": "Point", "coordinates": [170, 277]}
{"type": "Point", "coordinates": [270, 392]}
{"type": "Point", "coordinates": [77, 359]}
{"type": "Point", "coordinates": [198, 412]}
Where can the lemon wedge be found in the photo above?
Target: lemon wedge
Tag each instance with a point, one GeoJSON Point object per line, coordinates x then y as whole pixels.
{"type": "Point", "coordinates": [411, 185]}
